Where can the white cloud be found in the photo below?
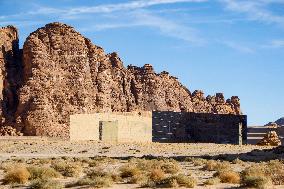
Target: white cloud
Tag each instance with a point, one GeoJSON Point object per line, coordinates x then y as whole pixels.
{"type": "Point", "coordinates": [108, 8]}
{"type": "Point", "coordinates": [145, 18]}
{"type": "Point", "coordinates": [255, 10]}
{"type": "Point", "coordinates": [277, 43]}
{"type": "Point", "coordinates": [237, 46]}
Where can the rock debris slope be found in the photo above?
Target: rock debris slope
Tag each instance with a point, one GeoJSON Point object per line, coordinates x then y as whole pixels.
{"type": "Point", "coordinates": [63, 73]}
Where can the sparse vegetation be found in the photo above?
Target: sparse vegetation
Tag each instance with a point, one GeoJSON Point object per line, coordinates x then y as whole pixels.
{"type": "Point", "coordinates": [213, 165]}
{"type": "Point", "coordinates": [212, 181]}
{"type": "Point", "coordinates": [197, 161]}
{"type": "Point", "coordinates": [42, 172]}
{"type": "Point", "coordinates": [68, 169]}
{"type": "Point", "coordinates": [261, 175]}
{"type": "Point", "coordinates": [129, 170]}
{"type": "Point", "coordinates": [179, 180]}
{"type": "Point", "coordinates": [46, 184]}
{"type": "Point", "coordinates": [16, 175]}
{"type": "Point", "coordinates": [229, 176]}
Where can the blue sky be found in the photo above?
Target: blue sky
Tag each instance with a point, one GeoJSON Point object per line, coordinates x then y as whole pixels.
{"type": "Point", "coordinates": [230, 46]}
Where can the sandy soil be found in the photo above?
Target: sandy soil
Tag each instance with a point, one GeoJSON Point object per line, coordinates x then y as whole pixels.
{"type": "Point", "coordinates": [55, 148]}
{"type": "Point", "coordinates": [47, 148]}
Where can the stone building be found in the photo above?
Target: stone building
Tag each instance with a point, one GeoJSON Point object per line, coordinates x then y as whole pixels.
{"type": "Point", "coordinates": [160, 126]}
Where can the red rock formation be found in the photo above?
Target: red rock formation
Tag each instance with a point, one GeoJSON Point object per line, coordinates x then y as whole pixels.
{"type": "Point", "coordinates": [64, 74]}
{"type": "Point", "coordinates": [10, 75]}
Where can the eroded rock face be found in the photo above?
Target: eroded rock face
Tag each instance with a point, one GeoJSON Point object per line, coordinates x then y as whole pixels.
{"type": "Point", "coordinates": [10, 75]}
{"type": "Point", "coordinates": [270, 139]}
{"type": "Point", "coordinates": [64, 74]}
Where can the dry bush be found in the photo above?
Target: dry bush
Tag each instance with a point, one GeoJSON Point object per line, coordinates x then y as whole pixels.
{"type": "Point", "coordinates": [167, 165]}
{"type": "Point", "coordinates": [101, 182]}
{"type": "Point", "coordinates": [129, 170]}
{"type": "Point", "coordinates": [275, 170]}
{"type": "Point", "coordinates": [97, 172]}
{"type": "Point", "coordinates": [98, 161]}
{"type": "Point", "coordinates": [212, 181]}
{"type": "Point", "coordinates": [137, 179]}
{"type": "Point", "coordinates": [260, 182]}
{"type": "Point", "coordinates": [19, 175]}
{"type": "Point", "coordinates": [170, 166]}
{"type": "Point", "coordinates": [5, 166]}
{"type": "Point", "coordinates": [197, 161]}
{"type": "Point", "coordinates": [42, 172]}
{"type": "Point", "coordinates": [46, 184]}
{"type": "Point", "coordinates": [212, 165]}
{"type": "Point", "coordinates": [96, 182]}
{"type": "Point", "coordinates": [179, 180]}
{"type": "Point", "coordinates": [238, 161]}
{"type": "Point", "coordinates": [263, 174]}
{"type": "Point", "coordinates": [68, 169]}
{"type": "Point", "coordinates": [157, 175]}
{"type": "Point", "coordinates": [81, 182]}
{"type": "Point", "coordinates": [228, 176]}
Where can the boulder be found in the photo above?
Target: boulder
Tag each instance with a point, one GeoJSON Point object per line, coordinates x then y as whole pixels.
{"type": "Point", "coordinates": [270, 139]}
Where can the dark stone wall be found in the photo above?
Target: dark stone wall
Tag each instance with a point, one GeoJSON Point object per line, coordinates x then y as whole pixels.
{"type": "Point", "coordinates": [199, 127]}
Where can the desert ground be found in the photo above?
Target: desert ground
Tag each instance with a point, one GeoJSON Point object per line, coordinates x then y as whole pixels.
{"type": "Point", "coordinates": [44, 163]}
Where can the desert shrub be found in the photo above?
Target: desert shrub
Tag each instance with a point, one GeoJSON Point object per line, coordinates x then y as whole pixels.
{"type": "Point", "coordinates": [101, 182]}
{"type": "Point", "coordinates": [197, 161]}
{"type": "Point", "coordinates": [42, 172]}
{"type": "Point", "coordinates": [129, 170]}
{"type": "Point", "coordinates": [170, 166]}
{"type": "Point", "coordinates": [97, 172]}
{"type": "Point", "coordinates": [212, 165]}
{"type": "Point", "coordinates": [212, 181]}
{"type": "Point", "coordinates": [186, 181]}
{"type": "Point", "coordinates": [137, 179]}
{"type": "Point", "coordinates": [96, 182]}
{"type": "Point", "coordinates": [5, 166]}
{"type": "Point", "coordinates": [238, 161]}
{"type": "Point", "coordinates": [19, 175]}
{"type": "Point", "coordinates": [170, 182]}
{"type": "Point", "coordinates": [46, 184]}
{"type": "Point", "coordinates": [228, 176]}
{"type": "Point", "coordinates": [263, 174]}
{"type": "Point", "coordinates": [157, 175]}
{"type": "Point", "coordinates": [275, 170]}
{"type": "Point", "coordinates": [144, 164]}
{"type": "Point", "coordinates": [179, 180]}
{"type": "Point", "coordinates": [260, 182]}
{"type": "Point", "coordinates": [68, 169]}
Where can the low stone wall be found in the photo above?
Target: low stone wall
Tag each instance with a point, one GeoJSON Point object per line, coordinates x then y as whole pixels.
{"type": "Point", "coordinates": [113, 127]}
{"type": "Point", "coordinates": [199, 127]}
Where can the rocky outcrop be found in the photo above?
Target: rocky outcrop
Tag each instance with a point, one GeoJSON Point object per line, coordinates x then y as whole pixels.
{"type": "Point", "coordinates": [270, 139]}
{"type": "Point", "coordinates": [280, 121]}
{"type": "Point", "coordinates": [64, 73]}
{"type": "Point", "coordinates": [10, 75]}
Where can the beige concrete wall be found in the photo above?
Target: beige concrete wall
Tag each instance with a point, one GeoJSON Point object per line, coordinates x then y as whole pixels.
{"type": "Point", "coordinates": [131, 127]}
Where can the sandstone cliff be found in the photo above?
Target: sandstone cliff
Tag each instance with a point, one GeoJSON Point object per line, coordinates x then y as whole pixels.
{"type": "Point", "coordinates": [64, 73]}
{"type": "Point", "coordinates": [10, 75]}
